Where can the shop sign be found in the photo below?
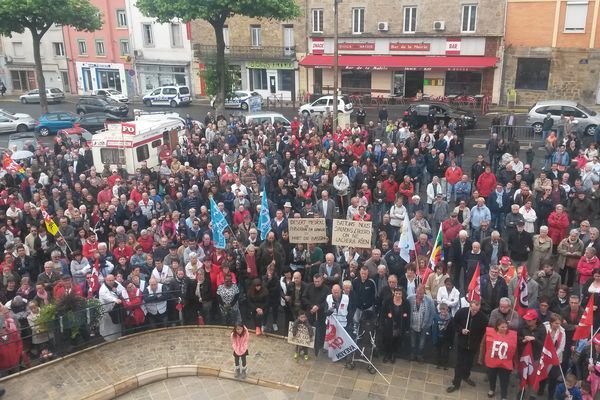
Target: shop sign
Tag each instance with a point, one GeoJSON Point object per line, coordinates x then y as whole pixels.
{"type": "Point", "coordinates": [410, 46]}
{"type": "Point", "coordinates": [356, 46]}
{"type": "Point", "coordinates": [461, 69]}
{"type": "Point", "coordinates": [318, 45]}
{"type": "Point", "coordinates": [367, 68]}
{"type": "Point", "coordinates": [270, 65]}
{"type": "Point", "coordinates": [433, 82]}
{"type": "Point", "coordinates": [453, 46]}
{"type": "Point", "coordinates": [418, 69]}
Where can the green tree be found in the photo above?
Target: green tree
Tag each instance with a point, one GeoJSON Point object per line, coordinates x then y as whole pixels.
{"type": "Point", "coordinates": [38, 16]}
{"type": "Point", "coordinates": [216, 12]}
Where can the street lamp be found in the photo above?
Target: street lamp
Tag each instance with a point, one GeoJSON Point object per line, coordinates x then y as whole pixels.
{"type": "Point", "coordinates": [334, 118]}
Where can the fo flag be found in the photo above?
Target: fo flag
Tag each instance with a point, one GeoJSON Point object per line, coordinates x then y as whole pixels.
{"type": "Point", "coordinates": [337, 341]}
{"type": "Point", "coordinates": [526, 366]}
{"type": "Point", "coordinates": [500, 349]}
{"type": "Point", "coordinates": [522, 293]}
{"type": "Point", "coordinates": [549, 358]}
{"type": "Point", "coordinates": [474, 290]}
{"type": "Point", "coordinates": [584, 328]}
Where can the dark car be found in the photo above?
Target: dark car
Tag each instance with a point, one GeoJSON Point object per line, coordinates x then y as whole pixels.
{"type": "Point", "coordinates": [93, 122]}
{"type": "Point", "coordinates": [92, 104]}
{"type": "Point", "coordinates": [419, 113]}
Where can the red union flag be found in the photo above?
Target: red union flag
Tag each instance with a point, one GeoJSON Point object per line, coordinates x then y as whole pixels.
{"type": "Point", "coordinates": [337, 341]}
{"type": "Point", "coordinates": [522, 293]}
{"type": "Point", "coordinates": [584, 328]}
{"type": "Point", "coordinates": [526, 366]}
{"type": "Point", "coordinates": [474, 286]}
{"type": "Point", "coordinates": [549, 358]}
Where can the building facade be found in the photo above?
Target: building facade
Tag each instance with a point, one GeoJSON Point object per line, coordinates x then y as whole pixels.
{"type": "Point", "coordinates": [161, 53]}
{"type": "Point", "coordinates": [101, 59]}
{"type": "Point", "coordinates": [400, 48]}
{"type": "Point", "coordinates": [554, 55]}
{"type": "Point", "coordinates": [262, 54]}
{"type": "Point", "coordinates": [18, 66]}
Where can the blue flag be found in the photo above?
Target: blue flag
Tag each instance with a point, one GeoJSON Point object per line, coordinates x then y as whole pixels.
{"type": "Point", "coordinates": [264, 219]}
{"type": "Point", "coordinates": [219, 224]}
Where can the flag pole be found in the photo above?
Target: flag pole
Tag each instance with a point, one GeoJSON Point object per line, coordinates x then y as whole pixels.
{"type": "Point", "coordinates": [363, 354]}
{"type": "Point", "coordinates": [522, 393]}
{"type": "Point", "coordinates": [563, 378]}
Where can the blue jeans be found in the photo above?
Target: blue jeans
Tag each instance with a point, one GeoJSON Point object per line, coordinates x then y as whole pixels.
{"type": "Point", "coordinates": [417, 343]}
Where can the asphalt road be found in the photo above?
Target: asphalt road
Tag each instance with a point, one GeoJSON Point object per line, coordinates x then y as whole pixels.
{"type": "Point", "coordinates": [474, 139]}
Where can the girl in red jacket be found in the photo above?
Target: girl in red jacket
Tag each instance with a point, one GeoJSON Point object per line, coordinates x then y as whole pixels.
{"type": "Point", "coordinates": [239, 343]}
{"type": "Point", "coordinates": [587, 264]}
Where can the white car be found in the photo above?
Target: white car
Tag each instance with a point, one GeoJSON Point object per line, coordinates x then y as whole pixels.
{"type": "Point", "coordinates": [241, 99]}
{"type": "Point", "coordinates": [15, 122]}
{"type": "Point", "coordinates": [325, 103]}
{"type": "Point", "coordinates": [53, 95]}
{"type": "Point", "coordinates": [171, 95]}
{"type": "Point", "coordinates": [111, 94]}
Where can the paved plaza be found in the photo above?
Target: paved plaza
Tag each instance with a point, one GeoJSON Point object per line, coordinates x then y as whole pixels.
{"type": "Point", "coordinates": [271, 359]}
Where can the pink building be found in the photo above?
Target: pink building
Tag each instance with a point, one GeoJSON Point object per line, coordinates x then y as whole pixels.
{"type": "Point", "coordinates": [101, 59]}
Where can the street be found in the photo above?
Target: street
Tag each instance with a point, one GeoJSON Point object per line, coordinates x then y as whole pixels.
{"type": "Point", "coordinates": [475, 139]}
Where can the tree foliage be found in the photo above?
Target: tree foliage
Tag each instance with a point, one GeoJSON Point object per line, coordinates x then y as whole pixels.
{"type": "Point", "coordinates": [210, 75]}
{"type": "Point", "coordinates": [38, 16]}
{"type": "Point", "coordinates": [216, 12]}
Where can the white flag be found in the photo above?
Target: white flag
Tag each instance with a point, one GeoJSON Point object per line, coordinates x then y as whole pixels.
{"type": "Point", "coordinates": [407, 243]}
{"type": "Point", "coordinates": [337, 341]}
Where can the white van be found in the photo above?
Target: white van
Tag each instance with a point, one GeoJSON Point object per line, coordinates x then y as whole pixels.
{"type": "Point", "coordinates": [172, 96]}
{"type": "Point", "coordinates": [268, 117]}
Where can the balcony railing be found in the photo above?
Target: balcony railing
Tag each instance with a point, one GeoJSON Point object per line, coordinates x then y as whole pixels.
{"type": "Point", "coordinates": [247, 52]}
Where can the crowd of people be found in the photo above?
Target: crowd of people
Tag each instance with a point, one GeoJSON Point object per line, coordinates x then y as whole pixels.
{"type": "Point", "coordinates": [142, 243]}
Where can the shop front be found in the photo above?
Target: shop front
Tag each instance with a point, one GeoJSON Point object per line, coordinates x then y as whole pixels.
{"type": "Point", "coordinates": [151, 76]}
{"type": "Point", "coordinates": [403, 68]}
{"type": "Point", "coordinates": [271, 79]}
{"type": "Point", "coordinates": [93, 76]}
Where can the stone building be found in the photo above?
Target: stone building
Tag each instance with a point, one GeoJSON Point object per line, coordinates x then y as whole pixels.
{"type": "Point", "coordinates": [262, 53]}
{"type": "Point", "coordinates": [400, 48]}
{"type": "Point", "coordinates": [554, 55]}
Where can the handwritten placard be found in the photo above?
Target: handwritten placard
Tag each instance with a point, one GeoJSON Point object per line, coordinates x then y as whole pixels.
{"type": "Point", "coordinates": [307, 230]}
{"type": "Point", "coordinates": [302, 338]}
{"type": "Point", "coordinates": [352, 233]}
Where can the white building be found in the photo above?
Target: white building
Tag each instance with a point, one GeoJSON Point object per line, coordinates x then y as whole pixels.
{"type": "Point", "coordinates": [17, 69]}
{"type": "Point", "coordinates": [161, 53]}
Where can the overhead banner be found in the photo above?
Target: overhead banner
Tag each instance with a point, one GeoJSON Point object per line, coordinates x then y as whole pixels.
{"type": "Point", "coordinates": [307, 230]}
{"type": "Point", "coordinates": [352, 233]}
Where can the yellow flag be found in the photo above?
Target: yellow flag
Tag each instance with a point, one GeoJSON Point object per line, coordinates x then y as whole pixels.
{"type": "Point", "coordinates": [51, 225]}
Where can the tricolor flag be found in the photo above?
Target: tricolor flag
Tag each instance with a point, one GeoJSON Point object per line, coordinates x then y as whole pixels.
{"type": "Point", "coordinates": [51, 226]}
{"type": "Point", "coordinates": [437, 254]}
{"type": "Point", "coordinates": [522, 293]}
{"type": "Point", "coordinates": [527, 366]}
{"type": "Point", "coordinates": [474, 291]}
{"type": "Point", "coordinates": [219, 224]}
{"type": "Point", "coordinates": [549, 358]}
{"type": "Point", "coordinates": [407, 242]}
{"type": "Point", "coordinates": [584, 328]}
{"type": "Point", "coordinates": [264, 219]}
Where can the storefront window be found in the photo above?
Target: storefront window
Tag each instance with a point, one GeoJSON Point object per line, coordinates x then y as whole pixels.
{"type": "Point", "coordinates": [258, 79]}
{"type": "Point", "coordinates": [163, 75]}
{"type": "Point", "coordinates": [285, 77]}
{"type": "Point", "coordinates": [236, 76]}
{"type": "Point", "coordinates": [355, 79]}
{"type": "Point", "coordinates": [398, 83]}
{"type": "Point", "coordinates": [463, 83]}
{"type": "Point", "coordinates": [532, 73]}
{"type": "Point", "coordinates": [23, 80]}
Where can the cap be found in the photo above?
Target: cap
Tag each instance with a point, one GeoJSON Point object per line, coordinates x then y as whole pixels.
{"type": "Point", "coordinates": [521, 223]}
{"type": "Point", "coordinates": [530, 315]}
{"type": "Point", "coordinates": [287, 204]}
{"type": "Point", "coordinates": [596, 339]}
{"type": "Point", "coordinates": [505, 260]}
{"type": "Point", "coordinates": [173, 246]}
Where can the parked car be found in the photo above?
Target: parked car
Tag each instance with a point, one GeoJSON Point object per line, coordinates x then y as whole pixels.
{"type": "Point", "coordinates": [418, 114]}
{"type": "Point", "coordinates": [325, 103]}
{"type": "Point", "coordinates": [53, 95]}
{"type": "Point", "coordinates": [90, 104]}
{"type": "Point", "coordinates": [269, 117]}
{"type": "Point", "coordinates": [93, 122]}
{"type": "Point", "coordinates": [241, 99]}
{"type": "Point", "coordinates": [587, 119]}
{"type": "Point", "coordinates": [15, 122]}
{"type": "Point", "coordinates": [111, 94]}
{"type": "Point", "coordinates": [172, 96]}
{"type": "Point", "coordinates": [53, 121]}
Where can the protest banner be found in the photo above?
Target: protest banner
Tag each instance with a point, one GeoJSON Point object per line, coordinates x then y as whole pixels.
{"type": "Point", "coordinates": [352, 233]}
{"type": "Point", "coordinates": [307, 230]}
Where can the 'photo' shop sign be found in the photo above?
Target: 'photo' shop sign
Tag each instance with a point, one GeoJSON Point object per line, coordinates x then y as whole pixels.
{"type": "Point", "coordinates": [352, 233]}
{"type": "Point", "coordinates": [307, 230]}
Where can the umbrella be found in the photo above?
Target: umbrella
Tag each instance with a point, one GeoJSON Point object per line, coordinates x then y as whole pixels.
{"type": "Point", "coordinates": [21, 155]}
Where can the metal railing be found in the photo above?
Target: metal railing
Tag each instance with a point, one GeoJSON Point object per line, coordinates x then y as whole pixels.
{"type": "Point", "coordinates": [247, 52]}
{"type": "Point", "coordinates": [512, 133]}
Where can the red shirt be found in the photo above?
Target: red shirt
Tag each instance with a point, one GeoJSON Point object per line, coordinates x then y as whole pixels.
{"type": "Point", "coordinates": [390, 190]}
{"type": "Point", "coordinates": [146, 243]}
{"type": "Point", "coordinates": [126, 252]}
